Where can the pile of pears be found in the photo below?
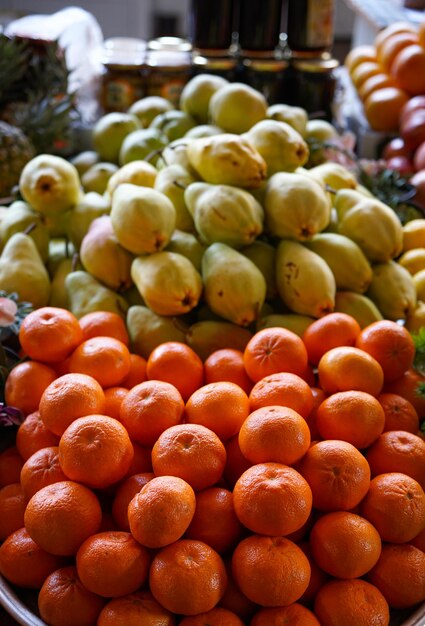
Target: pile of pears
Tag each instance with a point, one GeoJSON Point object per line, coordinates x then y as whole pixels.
{"type": "Point", "coordinates": [204, 224]}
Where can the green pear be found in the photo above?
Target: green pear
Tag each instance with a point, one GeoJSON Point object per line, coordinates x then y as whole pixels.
{"type": "Point", "coordinates": [236, 107]}
{"type": "Point", "coordinates": [86, 294]}
{"type": "Point", "coordinates": [92, 205]}
{"type": "Point", "coordinates": [196, 95]}
{"type": "Point", "coordinates": [143, 219]}
{"type": "Point", "coordinates": [58, 292]}
{"type": "Point", "coordinates": [295, 206]}
{"type": "Point", "coordinates": [280, 145]}
{"type": "Point", "coordinates": [320, 130]}
{"type": "Point", "coordinates": [187, 245]}
{"type": "Point", "coordinates": [293, 115]}
{"type": "Point", "coordinates": [227, 159]}
{"type": "Point", "coordinates": [139, 173]}
{"type": "Point", "coordinates": [23, 271]}
{"type": "Point", "coordinates": [305, 281]}
{"type": "Point", "coordinates": [147, 108]}
{"type": "Point", "coordinates": [263, 255]}
{"type": "Point", "coordinates": [224, 213]}
{"type": "Point", "coordinates": [50, 184]}
{"type": "Point", "coordinates": [172, 181]}
{"type": "Point", "coordinates": [234, 287]}
{"type": "Point", "coordinates": [358, 306]}
{"type": "Point", "coordinates": [59, 249]}
{"type": "Point", "coordinates": [176, 154]}
{"type": "Point", "coordinates": [57, 223]}
{"type": "Point", "coordinates": [97, 176]}
{"type": "Point", "coordinates": [142, 144]}
{"type": "Point", "coordinates": [18, 218]}
{"type": "Point", "coordinates": [103, 256]}
{"type": "Point", "coordinates": [173, 124]}
{"type": "Point", "coordinates": [168, 282]}
{"type": "Point", "coordinates": [84, 160]}
{"type": "Point", "coordinates": [148, 330]}
{"type": "Point", "coordinates": [393, 290]}
{"type": "Point", "coordinates": [203, 130]}
{"type": "Point", "coordinates": [110, 131]}
{"type": "Point", "coordinates": [207, 336]}
{"type": "Point", "coordinates": [291, 321]}
{"type": "Point", "coordinates": [333, 175]}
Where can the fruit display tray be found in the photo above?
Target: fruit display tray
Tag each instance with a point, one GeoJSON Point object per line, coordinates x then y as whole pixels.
{"type": "Point", "coordinates": [21, 605]}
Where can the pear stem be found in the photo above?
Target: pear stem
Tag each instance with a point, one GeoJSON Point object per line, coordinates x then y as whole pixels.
{"type": "Point", "coordinates": [30, 228]}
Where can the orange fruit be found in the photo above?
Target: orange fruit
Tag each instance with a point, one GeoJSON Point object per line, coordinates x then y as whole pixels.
{"type": "Point", "coordinates": [113, 400]}
{"type": "Point", "coordinates": [271, 571]}
{"type": "Point", "coordinates": [392, 46]}
{"type": "Point", "coordinates": [419, 541]}
{"type": "Point", "coordinates": [378, 81]}
{"type": "Point", "coordinates": [49, 334]}
{"type": "Point", "coordinates": [274, 433]}
{"type": "Point", "coordinates": [400, 414]}
{"type": "Point", "coordinates": [221, 407]}
{"type": "Point", "coordinates": [272, 499]}
{"type": "Point", "coordinates": [135, 609]}
{"type": "Point", "coordinates": [398, 451]}
{"type": "Point", "coordinates": [390, 344]}
{"type": "Point", "coordinates": [383, 106]}
{"type": "Point", "coordinates": [63, 599]}
{"type": "Point", "coordinates": [24, 563]}
{"type": "Point", "coordinates": [161, 511]}
{"type": "Point", "coordinates": [137, 373]}
{"type": "Point", "coordinates": [407, 386]}
{"type": "Point", "coordinates": [12, 507]}
{"type": "Point", "coordinates": [191, 452]}
{"type": "Point", "coordinates": [176, 363]}
{"type": "Point", "coordinates": [338, 475]}
{"type": "Point", "coordinates": [318, 397]}
{"type": "Point", "coordinates": [408, 69]}
{"type": "Point", "coordinates": [329, 331]}
{"type": "Point", "coordinates": [216, 617]}
{"type": "Point", "coordinates": [149, 409]}
{"type": "Point", "coordinates": [141, 462]}
{"type": "Point", "coordinates": [282, 389]}
{"type": "Point", "coordinates": [318, 576]}
{"type": "Point", "coordinates": [11, 464]}
{"type": "Point", "coordinates": [187, 577]}
{"type": "Point", "coordinates": [352, 603]}
{"type": "Point", "coordinates": [26, 383]}
{"type": "Point", "coordinates": [233, 598]}
{"type": "Point", "coordinates": [359, 54]}
{"type": "Point", "coordinates": [32, 435]}
{"type": "Point", "coordinates": [400, 575]}
{"type": "Point", "coordinates": [353, 416]}
{"type": "Point", "coordinates": [215, 521]}
{"type": "Point", "coordinates": [112, 563]}
{"type": "Point", "coordinates": [104, 324]}
{"type": "Point", "coordinates": [363, 71]}
{"type": "Point", "coordinates": [345, 545]}
{"type": "Point", "coordinates": [95, 450]}
{"type": "Point", "coordinates": [294, 614]}
{"type": "Point", "coordinates": [59, 517]}
{"type": "Point", "coordinates": [347, 368]}
{"type": "Point", "coordinates": [395, 505]}
{"type": "Point", "coordinates": [395, 27]}
{"type": "Point", "coordinates": [41, 469]}
{"type": "Point", "coordinates": [421, 33]}
{"type": "Point", "coordinates": [123, 496]}
{"type": "Point", "coordinates": [236, 462]}
{"type": "Point", "coordinates": [106, 359]}
{"type": "Point", "coordinates": [274, 350]}
{"type": "Point", "coordinates": [69, 397]}
{"type": "Point", "coordinates": [227, 364]}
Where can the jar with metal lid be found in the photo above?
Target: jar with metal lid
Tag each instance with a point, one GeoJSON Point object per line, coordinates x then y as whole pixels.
{"type": "Point", "coordinates": [219, 66]}
{"type": "Point", "coordinates": [310, 26]}
{"type": "Point", "coordinates": [311, 84]}
{"type": "Point", "coordinates": [266, 75]}
{"type": "Point", "coordinates": [259, 25]}
{"type": "Point", "coordinates": [210, 25]}
{"type": "Point", "coordinates": [123, 76]}
{"type": "Point", "coordinates": [168, 67]}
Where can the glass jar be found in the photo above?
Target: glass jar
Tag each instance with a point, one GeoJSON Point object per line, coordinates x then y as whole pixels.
{"type": "Point", "coordinates": [259, 25]}
{"type": "Point", "coordinates": [310, 26]}
{"type": "Point", "coordinates": [168, 67]}
{"type": "Point", "coordinates": [311, 84]}
{"type": "Point", "coordinates": [219, 66]}
{"type": "Point", "coordinates": [211, 25]}
{"type": "Point", "coordinates": [123, 77]}
{"type": "Point", "coordinates": [266, 75]}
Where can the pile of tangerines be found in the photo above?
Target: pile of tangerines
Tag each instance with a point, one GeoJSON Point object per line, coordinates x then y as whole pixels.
{"type": "Point", "coordinates": [279, 485]}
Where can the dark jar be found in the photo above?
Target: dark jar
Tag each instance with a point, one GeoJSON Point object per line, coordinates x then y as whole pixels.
{"type": "Point", "coordinates": [258, 25]}
{"type": "Point", "coordinates": [210, 24]}
{"type": "Point", "coordinates": [168, 67]}
{"type": "Point", "coordinates": [310, 26]}
{"type": "Point", "coordinates": [311, 84]}
{"type": "Point", "coordinates": [266, 76]}
{"type": "Point", "coordinates": [123, 73]}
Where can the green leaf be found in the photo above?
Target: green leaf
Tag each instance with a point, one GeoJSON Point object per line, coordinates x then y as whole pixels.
{"type": "Point", "coordinates": [419, 341]}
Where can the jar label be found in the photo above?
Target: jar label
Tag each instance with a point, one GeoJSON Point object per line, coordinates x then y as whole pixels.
{"type": "Point", "coordinates": [319, 31]}
{"type": "Point", "coordinates": [119, 95]}
{"type": "Point", "coordinates": [166, 88]}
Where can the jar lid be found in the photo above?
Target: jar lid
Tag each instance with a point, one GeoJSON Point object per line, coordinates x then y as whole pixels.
{"type": "Point", "coordinates": [123, 51]}
{"type": "Point", "coordinates": [265, 65]}
{"type": "Point", "coordinates": [215, 63]}
{"type": "Point", "coordinates": [170, 44]}
{"type": "Point", "coordinates": [315, 65]}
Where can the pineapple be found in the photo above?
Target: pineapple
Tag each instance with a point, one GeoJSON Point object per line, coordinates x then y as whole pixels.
{"type": "Point", "coordinates": [36, 109]}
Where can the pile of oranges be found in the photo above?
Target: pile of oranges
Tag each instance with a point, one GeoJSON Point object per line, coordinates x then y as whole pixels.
{"type": "Point", "coordinates": [282, 484]}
